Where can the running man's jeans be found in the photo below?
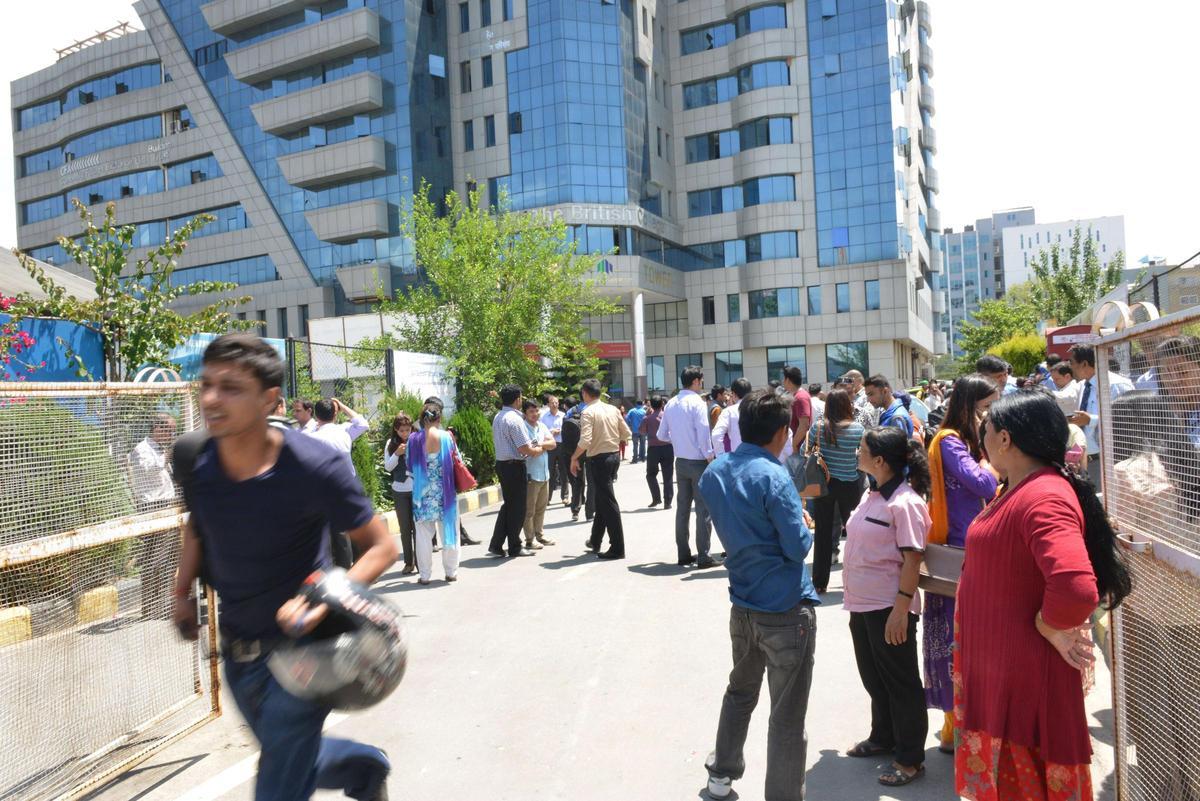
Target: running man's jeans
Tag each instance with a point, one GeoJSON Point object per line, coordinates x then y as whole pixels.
{"type": "Point", "coordinates": [295, 758]}
{"type": "Point", "coordinates": [782, 644]}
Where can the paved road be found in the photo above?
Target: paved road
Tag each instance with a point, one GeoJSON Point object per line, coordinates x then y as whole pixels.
{"type": "Point", "coordinates": [563, 677]}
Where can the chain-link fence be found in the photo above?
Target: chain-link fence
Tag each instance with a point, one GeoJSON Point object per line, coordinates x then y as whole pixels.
{"type": "Point", "coordinates": [93, 676]}
{"type": "Point", "coordinates": [1151, 467]}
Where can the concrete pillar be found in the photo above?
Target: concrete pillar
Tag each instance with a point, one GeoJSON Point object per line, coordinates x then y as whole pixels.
{"type": "Point", "coordinates": [639, 345]}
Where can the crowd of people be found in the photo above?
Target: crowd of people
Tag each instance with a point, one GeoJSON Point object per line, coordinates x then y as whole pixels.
{"type": "Point", "coordinates": [984, 465]}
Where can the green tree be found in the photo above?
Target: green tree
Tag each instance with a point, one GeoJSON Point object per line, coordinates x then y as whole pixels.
{"type": "Point", "coordinates": [1023, 352]}
{"type": "Point", "coordinates": [996, 321]}
{"type": "Point", "coordinates": [1065, 284]}
{"type": "Point", "coordinates": [131, 312]}
{"type": "Point", "coordinates": [504, 289]}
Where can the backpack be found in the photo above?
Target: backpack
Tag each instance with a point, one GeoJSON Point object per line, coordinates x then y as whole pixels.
{"type": "Point", "coordinates": [186, 450]}
{"type": "Point", "coordinates": [571, 432]}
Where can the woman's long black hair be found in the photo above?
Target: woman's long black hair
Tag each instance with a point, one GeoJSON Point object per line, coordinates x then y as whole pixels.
{"type": "Point", "coordinates": [960, 410]}
{"type": "Point", "coordinates": [902, 454]}
{"type": "Point", "coordinates": [1039, 430]}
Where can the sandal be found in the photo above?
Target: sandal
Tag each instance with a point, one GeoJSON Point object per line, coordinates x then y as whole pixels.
{"type": "Point", "coordinates": [868, 749]}
{"type": "Point", "coordinates": [898, 778]}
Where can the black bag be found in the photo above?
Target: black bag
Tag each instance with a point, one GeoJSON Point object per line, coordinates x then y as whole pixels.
{"type": "Point", "coordinates": [571, 432]}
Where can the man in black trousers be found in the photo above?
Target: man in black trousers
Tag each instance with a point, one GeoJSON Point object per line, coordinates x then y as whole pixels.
{"type": "Point", "coordinates": [603, 429]}
{"type": "Point", "coordinates": [510, 436]}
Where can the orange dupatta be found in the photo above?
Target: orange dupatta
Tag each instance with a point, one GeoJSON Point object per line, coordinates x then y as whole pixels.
{"type": "Point", "coordinates": [939, 532]}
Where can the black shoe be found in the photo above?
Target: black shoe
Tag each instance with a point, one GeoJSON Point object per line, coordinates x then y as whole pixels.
{"type": "Point", "coordinates": [467, 540]}
{"type": "Point", "coordinates": [666, 506]}
{"type": "Point", "coordinates": [588, 517]}
{"type": "Point", "coordinates": [593, 548]}
{"type": "Point", "coordinates": [686, 562]}
{"type": "Point", "coordinates": [709, 562]}
{"type": "Point", "coordinates": [653, 504]}
{"type": "Point", "coordinates": [611, 555]}
{"type": "Point", "coordinates": [575, 517]}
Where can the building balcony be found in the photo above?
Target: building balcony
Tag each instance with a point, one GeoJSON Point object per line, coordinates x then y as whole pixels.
{"type": "Point", "coordinates": [227, 17]}
{"type": "Point", "coordinates": [923, 17]}
{"type": "Point", "coordinates": [939, 302]}
{"type": "Point", "coordinates": [356, 158]}
{"type": "Point", "coordinates": [931, 179]}
{"type": "Point", "coordinates": [365, 282]}
{"type": "Point", "coordinates": [926, 58]}
{"type": "Point", "coordinates": [928, 138]}
{"type": "Point", "coordinates": [941, 343]}
{"type": "Point", "coordinates": [343, 35]}
{"type": "Point", "coordinates": [350, 221]}
{"type": "Point", "coordinates": [925, 99]}
{"type": "Point", "coordinates": [933, 219]}
{"type": "Point", "coordinates": [346, 97]}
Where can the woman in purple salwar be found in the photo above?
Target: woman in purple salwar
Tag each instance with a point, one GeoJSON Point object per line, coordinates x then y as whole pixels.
{"type": "Point", "coordinates": [962, 482]}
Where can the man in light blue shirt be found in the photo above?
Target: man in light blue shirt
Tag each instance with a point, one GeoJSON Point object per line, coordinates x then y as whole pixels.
{"type": "Point", "coordinates": [537, 470]}
{"type": "Point", "coordinates": [1083, 367]}
{"type": "Point", "coordinates": [685, 426]}
{"type": "Point", "coordinates": [634, 419]}
{"type": "Point", "coordinates": [761, 523]}
{"type": "Point", "coordinates": [997, 369]}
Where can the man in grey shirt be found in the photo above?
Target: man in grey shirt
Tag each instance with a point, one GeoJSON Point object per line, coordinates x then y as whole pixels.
{"type": "Point", "coordinates": [512, 442]}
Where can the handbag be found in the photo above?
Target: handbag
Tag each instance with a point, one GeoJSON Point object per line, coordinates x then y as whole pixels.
{"type": "Point", "coordinates": [815, 479]}
{"type": "Point", "coordinates": [941, 569]}
{"type": "Point", "coordinates": [463, 480]}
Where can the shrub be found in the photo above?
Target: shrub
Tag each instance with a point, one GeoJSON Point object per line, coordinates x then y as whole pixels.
{"type": "Point", "coordinates": [1024, 352]}
{"type": "Point", "coordinates": [475, 442]}
{"type": "Point", "coordinates": [59, 476]}
{"type": "Point", "coordinates": [368, 464]}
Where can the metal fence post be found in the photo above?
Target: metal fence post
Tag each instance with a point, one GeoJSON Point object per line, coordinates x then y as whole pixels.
{"type": "Point", "coordinates": [291, 360]}
{"type": "Point", "coordinates": [389, 369]}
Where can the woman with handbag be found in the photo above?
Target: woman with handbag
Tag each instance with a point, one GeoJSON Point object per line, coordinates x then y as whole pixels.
{"type": "Point", "coordinates": [962, 482]}
{"type": "Point", "coordinates": [464, 480]}
{"type": "Point", "coordinates": [834, 438]}
{"type": "Point", "coordinates": [885, 539]}
{"type": "Point", "coordinates": [1040, 557]}
{"type": "Point", "coordinates": [431, 461]}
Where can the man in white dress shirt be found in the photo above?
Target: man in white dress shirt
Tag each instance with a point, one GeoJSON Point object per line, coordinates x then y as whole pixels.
{"type": "Point", "coordinates": [726, 435]}
{"type": "Point", "coordinates": [1083, 367]}
{"type": "Point", "coordinates": [340, 437]}
{"type": "Point", "coordinates": [685, 426]}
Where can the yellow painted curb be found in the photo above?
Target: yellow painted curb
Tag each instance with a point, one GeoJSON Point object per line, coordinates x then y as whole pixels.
{"type": "Point", "coordinates": [97, 604]}
{"type": "Point", "coordinates": [392, 524]}
{"type": "Point", "coordinates": [16, 625]}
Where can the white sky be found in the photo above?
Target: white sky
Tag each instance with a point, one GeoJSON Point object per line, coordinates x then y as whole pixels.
{"type": "Point", "coordinates": [1078, 108]}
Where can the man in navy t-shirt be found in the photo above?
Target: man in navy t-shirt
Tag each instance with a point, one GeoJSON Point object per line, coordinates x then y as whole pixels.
{"type": "Point", "coordinates": [262, 502]}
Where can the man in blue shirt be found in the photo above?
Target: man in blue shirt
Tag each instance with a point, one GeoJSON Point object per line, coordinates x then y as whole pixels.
{"type": "Point", "coordinates": [634, 419]}
{"type": "Point", "coordinates": [892, 411]}
{"type": "Point", "coordinates": [761, 523]}
{"type": "Point", "coordinates": [262, 503]}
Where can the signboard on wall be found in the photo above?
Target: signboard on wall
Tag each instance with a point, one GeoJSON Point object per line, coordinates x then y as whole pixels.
{"type": "Point", "coordinates": [424, 375]}
{"type": "Point", "coordinates": [614, 350]}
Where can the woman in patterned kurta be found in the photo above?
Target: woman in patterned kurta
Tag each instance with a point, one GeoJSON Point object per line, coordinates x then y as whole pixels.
{"type": "Point", "coordinates": [962, 483]}
{"type": "Point", "coordinates": [1038, 559]}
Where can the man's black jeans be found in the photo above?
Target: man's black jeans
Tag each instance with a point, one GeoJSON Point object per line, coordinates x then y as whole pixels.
{"type": "Point", "coordinates": [602, 472]}
{"type": "Point", "coordinates": [661, 456]}
{"type": "Point", "coordinates": [511, 518]}
{"type": "Point", "coordinates": [781, 644]}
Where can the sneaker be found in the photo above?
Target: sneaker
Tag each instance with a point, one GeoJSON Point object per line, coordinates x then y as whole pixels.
{"type": "Point", "coordinates": [526, 552]}
{"type": "Point", "coordinates": [533, 545]}
{"type": "Point", "coordinates": [546, 541]}
{"type": "Point", "coordinates": [719, 787]}
{"type": "Point", "coordinates": [495, 554]}
{"type": "Point", "coordinates": [574, 517]}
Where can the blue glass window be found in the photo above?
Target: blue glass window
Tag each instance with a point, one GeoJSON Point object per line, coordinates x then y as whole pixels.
{"type": "Point", "coordinates": [228, 218]}
{"type": "Point", "coordinates": [507, 6]}
{"type": "Point", "coordinates": [843, 298]}
{"type": "Point", "coordinates": [779, 358]}
{"type": "Point", "coordinates": [734, 304]}
{"type": "Point", "coordinates": [51, 254]}
{"type": "Point", "coordinates": [711, 37]}
{"type": "Point", "coordinates": [38, 114]}
{"type": "Point", "coordinates": [485, 14]}
{"type": "Point", "coordinates": [489, 131]}
{"type": "Point", "coordinates": [684, 361]}
{"type": "Point", "coordinates": [872, 288]}
{"type": "Point", "coordinates": [469, 135]}
{"type": "Point", "coordinates": [133, 184]}
{"type": "Point", "coordinates": [44, 209]}
{"type": "Point", "coordinates": [814, 300]}
{"type": "Point", "coordinates": [776, 245]}
{"type": "Point", "coordinates": [253, 270]}
{"type": "Point", "coordinates": [124, 133]}
{"type": "Point", "coordinates": [747, 79]}
{"type": "Point", "coordinates": [729, 366]}
{"type": "Point", "coordinates": [842, 357]}
{"type": "Point", "coordinates": [656, 376]}
{"type": "Point", "coordinates": [464, 17]}
{"type": "Point", "coordinates": [769, 303]}
{"type": "Point", "coordinates": [117, 83]}
{"type": "Point", "coordinates": [193, 171]}
{"type": "Point", "coordinates": [487, 70]}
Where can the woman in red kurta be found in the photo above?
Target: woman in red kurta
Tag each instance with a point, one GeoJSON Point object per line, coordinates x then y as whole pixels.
{"type": "Point", "coordinates": [1027, 590]}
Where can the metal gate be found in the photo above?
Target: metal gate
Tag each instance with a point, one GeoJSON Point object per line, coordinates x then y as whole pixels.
{"type": "Point", "coordinates": [93, 677]}
{"type": "Point", "coordinates": [1151, 467]}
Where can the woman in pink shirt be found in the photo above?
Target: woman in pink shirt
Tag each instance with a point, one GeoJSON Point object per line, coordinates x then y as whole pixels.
{"type": "Point", "coordinates": [885, 540]}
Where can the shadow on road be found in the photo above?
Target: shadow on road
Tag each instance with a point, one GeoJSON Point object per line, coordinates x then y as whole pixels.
{"type": "Point", "coordinates": [568, 561]}
{"type": "Point", "coordinates": [838, 776]}
{"type": "Point", "coordinates": [180, 766]}
{"type": "Point", "coordinates": [707, 573]}
{"type": "Point", "coordinates": [659, 569]}
{"type": "Point", "coordinates": [1105, 732]}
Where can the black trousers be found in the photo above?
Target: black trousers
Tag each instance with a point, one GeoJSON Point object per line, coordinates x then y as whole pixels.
{"type": "Point", "coordinates": [892, 679]}
{"type": "Point", "coordinates": [842, 499]}
{"type": "Point", "coordinates": [511, 518]}
{"type": "Point", "coordinates": [583, 492]}
{"type": "Point", "coordinates": [602, 472]}
{"type": "Point", "coordinates": [560, 471]}
{"type": "Point", "coordinates": [661, 456]}
{"type": "Point", "coordinates": [408, 529]}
